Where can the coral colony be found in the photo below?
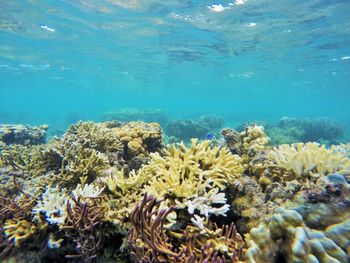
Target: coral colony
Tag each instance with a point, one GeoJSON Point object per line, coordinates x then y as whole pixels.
{"type": "Point", "coordinates": [113, 192]}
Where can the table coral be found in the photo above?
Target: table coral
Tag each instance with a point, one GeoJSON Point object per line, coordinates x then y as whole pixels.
{"type": "Point", "coordinates": [22, 134]}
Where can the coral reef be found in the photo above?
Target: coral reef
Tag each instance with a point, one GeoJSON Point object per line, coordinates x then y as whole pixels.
{"type": "Point", "coordinates": [185, 130]}
{"type": "Point", "coordinates": [247, 143]}
{"type": "Point", "coordinates": [104, 191]}
{"type": "Point", "coordinates": [316, 231]}
{"type": "Point", "coordinates": [22, 134]}
{"type": "Point", "coordinates": [185, 172]}
{"type": "Point", "coordinates": [130, 114]}
{"type": "Point", "coordinates": [291, 130]}
{"type": "Point", "coordinates": [150, 241]}
{"type": "Point", "coordinates": [84, 227]}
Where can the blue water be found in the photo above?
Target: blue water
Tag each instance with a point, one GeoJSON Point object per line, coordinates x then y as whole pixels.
{"type": "Point", "coordinates": [254, 60]}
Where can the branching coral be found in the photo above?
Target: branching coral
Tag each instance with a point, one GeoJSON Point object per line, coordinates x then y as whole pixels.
{"type": "Point", "coordinates": [214, 245]}
{"type": "Point", "coordinates": [150, 242]}
{"type": "Point", "coordinates": [126, 190]}
{"type": "Point", "coordinates": [184, 172]}
{"type": "Point", "coordinates": [206, 204]}
{"type": "Point", "coordinates": [16, 227]}
{"type": "Point", "coordinates": [309, 161]}
{"type": "Point", "coordinates": [53, 204]}
{"type": "Point", "coordinates": [93, 135]}
{"type": "Point", "coordinates": [84, 226]}
{"type": "Point", "coordinates": [17, 231]}
{"type": "Point", "coordinates": [33, 159]}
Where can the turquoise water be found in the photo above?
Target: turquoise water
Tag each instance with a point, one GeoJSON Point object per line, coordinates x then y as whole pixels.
{"type": "Point", "coordinates": [252, 60]}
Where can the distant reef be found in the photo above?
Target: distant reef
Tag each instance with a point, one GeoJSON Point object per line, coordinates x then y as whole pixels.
{"type": "Point", "coordinates": [22, 134]}
{"type": "Point", "coordinates": [130, 114]}
{"type": "Point", "coordinates": [184, 130]}
{"type": "Point", "coordinates": [115, 192]}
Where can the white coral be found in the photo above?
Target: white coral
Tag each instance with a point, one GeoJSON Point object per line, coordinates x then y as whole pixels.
{"type": "Point", "coordinates": [204, 203]}
{"type": "Point", "coordinates": [87, 191]}
{"type": "Point", "coordinates": [198, 221]}
{"type": "Point", "coordinates": [53, 204]}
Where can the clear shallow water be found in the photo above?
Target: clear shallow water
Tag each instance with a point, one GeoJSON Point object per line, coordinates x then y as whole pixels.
{"type": "Point", "coordinates": [254, 60]}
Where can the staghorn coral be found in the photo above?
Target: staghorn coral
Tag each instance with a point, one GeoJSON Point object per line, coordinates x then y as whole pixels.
{"type": "Point", "coordinates": [185, 172]}
{"type": "Point", "coordinates": [87, 191]}
{"type": "Point", "coordinates": [86, 167]}
{"type": "Point", "coordinates": [150, 242]}
{"type": "Point", "coordinates": [84, 226]}
{"type": "Point", "coordinates": [97, 136]}
{"type": "Point", "coordinates": [204, 204]}
{"type": "Point", "coordinates": [126, 190]}
{"type": "Point", "coordinates": [213, 244]}
{"type": "Point", "coordinates": [15, 222]}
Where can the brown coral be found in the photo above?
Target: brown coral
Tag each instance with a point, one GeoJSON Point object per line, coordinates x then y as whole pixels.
{"type": "Point", "coordinates": [84, 223]}
{"type": "Point", "coordinates": [150, 242]}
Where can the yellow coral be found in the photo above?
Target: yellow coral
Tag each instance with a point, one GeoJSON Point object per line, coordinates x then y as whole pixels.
{"type": "Point", "coordinates": [120, 184]}
{"type": "Point", "coordinates": [184, 172]}
{"type": "Point", "coordinates": [310, 160]}
{"type": "Point", "coordinates": [18, 231]}
{"type": "Point", "coordinates": [139, 137]}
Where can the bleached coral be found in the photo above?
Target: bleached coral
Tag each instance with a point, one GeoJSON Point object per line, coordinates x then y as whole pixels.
{"type": "Point", "coordinates": [53, 204]}
{"type": "Point", "coordinates": [53, 242]}
{"type": "Point", "coordinates": [204, 204]}
{"type": "Point", "coordinates": [310, 160]}
{"type": "Point", "coordinates": [87, 191]}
